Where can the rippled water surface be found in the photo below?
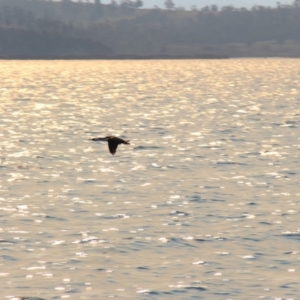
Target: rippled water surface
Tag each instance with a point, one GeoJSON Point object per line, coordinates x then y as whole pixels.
{"type": "Point", "coordinates": [204, 203]}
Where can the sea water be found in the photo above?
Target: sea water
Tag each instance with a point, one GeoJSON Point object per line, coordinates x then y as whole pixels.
{"type": "Point", "coordinates": [203, 204]}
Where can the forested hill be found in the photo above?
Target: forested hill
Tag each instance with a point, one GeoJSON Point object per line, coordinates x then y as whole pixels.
{"type": "Point", "coordinates": [42, 29]}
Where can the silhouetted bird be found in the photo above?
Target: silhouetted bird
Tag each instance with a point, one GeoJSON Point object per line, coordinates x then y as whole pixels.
{"type": "Point", "coordinates": [113, 142]}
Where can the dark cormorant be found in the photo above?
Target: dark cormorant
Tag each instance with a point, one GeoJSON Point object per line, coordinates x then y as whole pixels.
{"type": "Point", "coordinates": [113, 142]}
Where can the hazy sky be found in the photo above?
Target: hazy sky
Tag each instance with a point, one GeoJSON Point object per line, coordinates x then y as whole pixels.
{"type": "Point", "coordinates": [201, 3]}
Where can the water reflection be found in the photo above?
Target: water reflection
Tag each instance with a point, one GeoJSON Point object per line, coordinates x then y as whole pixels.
{"type": "Point", "coordinates": [204, 203]}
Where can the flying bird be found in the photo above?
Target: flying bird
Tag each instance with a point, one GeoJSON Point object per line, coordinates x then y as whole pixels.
{"type": "Point", "coordinates": [113, 142]}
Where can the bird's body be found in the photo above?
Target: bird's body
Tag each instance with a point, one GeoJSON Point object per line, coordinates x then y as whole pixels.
{"type": "Point", "coordinates": [113, 142]}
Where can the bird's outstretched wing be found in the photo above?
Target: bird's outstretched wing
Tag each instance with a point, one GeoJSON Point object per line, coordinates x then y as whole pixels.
{"type": "Point", "coordinates": [112, 146]}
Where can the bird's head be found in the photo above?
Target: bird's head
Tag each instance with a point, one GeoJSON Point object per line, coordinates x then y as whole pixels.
{"type": "Point", "coordinates": [105, 139]}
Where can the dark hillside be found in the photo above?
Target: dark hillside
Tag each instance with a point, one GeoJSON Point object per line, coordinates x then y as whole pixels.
{"type": "Point", "coordinates": [24, 43]}
{"type": "Point", "coordinates": [51, 28]}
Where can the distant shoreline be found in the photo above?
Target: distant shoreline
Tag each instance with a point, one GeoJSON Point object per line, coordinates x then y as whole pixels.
{"type": "Point", "coordinates": [111, 57]}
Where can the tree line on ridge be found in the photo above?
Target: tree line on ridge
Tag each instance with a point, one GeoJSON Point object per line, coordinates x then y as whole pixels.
{"type": "Point", "coordinates": [37, 28]}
